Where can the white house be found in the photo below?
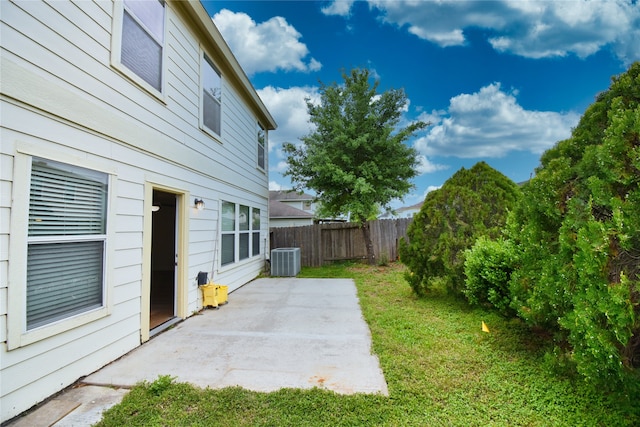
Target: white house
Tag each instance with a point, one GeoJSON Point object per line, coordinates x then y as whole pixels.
{"type": "Point", "coordinates": [403, 212]}
{"type": "Point", "coordinates": [132, 158]}
{"type": "Point", "coordinates": [290, 209]}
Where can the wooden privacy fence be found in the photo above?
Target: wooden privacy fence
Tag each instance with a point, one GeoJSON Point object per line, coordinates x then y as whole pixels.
{"type": "Point", "coordinates": [321, 244]}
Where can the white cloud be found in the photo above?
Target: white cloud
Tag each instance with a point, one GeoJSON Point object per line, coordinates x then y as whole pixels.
{"type": "Point", "coordinates": [289, 109]}
{"type": "Point", "coordinates": [282, 165]}
{"type": "Point", "coordinates": [529, 28]}
{"type": "Point", "coordinates": [275, 186]}
{"type": "Point", "coordinates": [414, 198]}
{"type": "Point", "coordinates": [430, 189]}
{"type": "Point", "coordinates": [314, 65]}
{"type": "Point", "coordinates": [268, 46]}
{"type": "Point", "coordinates": [440, 22]}
{"type": "Point", "coordinates": [338, 7]}
{"type": "Point", "coordinates": [558, 28]}
{"type": "Point", "coordinates": [491, 123]}
{"type": "Point", "coordinates": [433, 117]}
{"type": "Point", "coordinates": [442, 38]}
{"type": "Point", "coordinates": [426, 166]}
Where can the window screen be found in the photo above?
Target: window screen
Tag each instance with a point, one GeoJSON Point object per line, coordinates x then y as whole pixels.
{"type": "Point", "coordinates": [212, 96]}
{"type": "Point", "coordinates": [243, 226]}
{"type": "Point", "coordinates": [143, 40]}
{"type": "Point", "coordinates": [255, 227]}
{"type": "Point", "coordinates": [67, 236]}
{"type": "Point", "coordinates": [240, 232]}
{"type": "Point", "coordinates": [228, 233]}
{"type": "Point", "coordinates": [262, 136]}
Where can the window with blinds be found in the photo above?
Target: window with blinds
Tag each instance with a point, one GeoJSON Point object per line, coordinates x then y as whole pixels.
{"type": "Point", "coordinates": [66, 241]}
{"type": "Point", "coordinates": [143, 39]}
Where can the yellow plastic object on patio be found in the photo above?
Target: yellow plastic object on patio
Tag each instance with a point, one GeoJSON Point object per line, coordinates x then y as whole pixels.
{"type": "Point", "coordinates": [209, 295]}
{"type": "Point", "coordinates": [214, 295]}
{"type": "Point", "coordinates": [222, 294]}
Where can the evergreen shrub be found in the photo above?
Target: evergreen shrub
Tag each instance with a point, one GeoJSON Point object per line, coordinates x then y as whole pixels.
{"type": "Point", "coordinates": [470, 204]}
{"type": "Point", "coordinates": [577, 231]}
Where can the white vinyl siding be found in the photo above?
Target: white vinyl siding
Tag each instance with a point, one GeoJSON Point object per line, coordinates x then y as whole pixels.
{"type": "Point", "coordinates": [68, 97]}
{"type": "Point", "coordinates": [67, 236]}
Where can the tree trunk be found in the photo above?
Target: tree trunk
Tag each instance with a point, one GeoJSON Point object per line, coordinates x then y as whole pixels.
{"type": "Point", "coordinates": [366, 232]}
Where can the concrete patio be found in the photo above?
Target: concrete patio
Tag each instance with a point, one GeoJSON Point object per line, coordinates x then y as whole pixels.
{"type": "Point", "coordinates": [274, 333]}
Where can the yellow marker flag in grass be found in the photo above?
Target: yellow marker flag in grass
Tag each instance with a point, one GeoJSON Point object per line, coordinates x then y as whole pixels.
{"type": "Point", "coordinates": [485, 328]}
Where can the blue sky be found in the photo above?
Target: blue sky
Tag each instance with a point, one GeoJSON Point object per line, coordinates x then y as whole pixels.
{"type": "Point", "coordinates": [500, 81]}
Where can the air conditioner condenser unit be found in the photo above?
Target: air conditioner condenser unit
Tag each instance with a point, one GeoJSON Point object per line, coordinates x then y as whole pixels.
{"type": "Point", "coordinates": [285, 262]}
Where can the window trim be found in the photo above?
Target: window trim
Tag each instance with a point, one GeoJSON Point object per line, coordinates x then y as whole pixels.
{"type": "Point", "coordinates": [204, 59]}
{"type": "Point", "coordinates": [253, 232]}
{"type": "Point", "coordinates": [264, 145]}
{"type": "Point", "coordinates": [244, 233]}
{"type": "Point", "coordinates": [17, 333]}
{"type": "Point", "coordinates": [237, 232]}
{"type": "Point", "coordinates": [116, 52]}
{"type": "Point", "coordinates": [228, 232]}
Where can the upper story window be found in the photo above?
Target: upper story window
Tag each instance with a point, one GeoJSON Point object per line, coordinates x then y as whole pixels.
{"type": "Point", "coordinates": [142, 40]}
{"type": "Point", "coordinates": [262, 142]}
{"type": "Point", "coordinates": [210, 113]}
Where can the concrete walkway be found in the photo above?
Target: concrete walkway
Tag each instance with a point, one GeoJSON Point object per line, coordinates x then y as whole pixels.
{"type": "Point", "coordinates": [274, 333]}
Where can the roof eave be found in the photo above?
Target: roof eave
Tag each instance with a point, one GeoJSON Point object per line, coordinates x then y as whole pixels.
{"type": "Point", "coordinates": [214, 39]}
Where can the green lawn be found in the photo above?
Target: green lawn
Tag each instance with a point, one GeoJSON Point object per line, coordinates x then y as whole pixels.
{"type": "Point", "coordinates": [440, 367]}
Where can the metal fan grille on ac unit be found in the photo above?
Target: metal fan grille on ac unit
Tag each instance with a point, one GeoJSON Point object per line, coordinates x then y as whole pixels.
{"type": "Point", "coordinates": [285, 261]}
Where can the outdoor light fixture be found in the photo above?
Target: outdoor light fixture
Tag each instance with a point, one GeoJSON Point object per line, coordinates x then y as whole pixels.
{"type": "Point", "coordinates": [199, 204]}
{"type": "Point", "coordinates": [155, 208]}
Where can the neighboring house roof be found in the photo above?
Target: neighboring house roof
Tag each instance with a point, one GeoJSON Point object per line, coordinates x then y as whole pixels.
{"type": "Point", "coordinates": [415, 207]}
{"type": "Point", "coordinates": [289, 196]}
{"type": "Point", "coordinates": [398, 212]}
{"type": "Point", "coordinates": [278, 209]}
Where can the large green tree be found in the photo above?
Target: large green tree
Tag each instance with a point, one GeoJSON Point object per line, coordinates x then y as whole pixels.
{"type": "Point", "coordinates": [470, 204]}
{"type": "Point", "coordinates": [577, 230]}
{"type": "Point", "coordinates": [355, 159]}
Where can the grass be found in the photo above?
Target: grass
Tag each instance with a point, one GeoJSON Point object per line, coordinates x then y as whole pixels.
{"type": "Point", "coordinates": [441, 369]}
